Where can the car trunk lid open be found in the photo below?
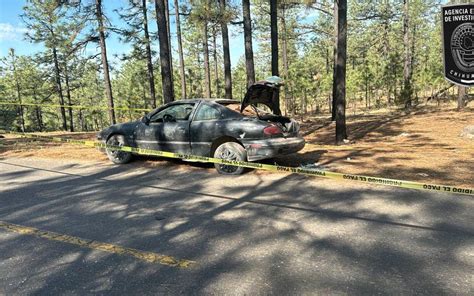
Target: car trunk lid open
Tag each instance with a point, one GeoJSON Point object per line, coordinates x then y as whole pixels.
{"type": "Point", "coordinates": [266, 92]}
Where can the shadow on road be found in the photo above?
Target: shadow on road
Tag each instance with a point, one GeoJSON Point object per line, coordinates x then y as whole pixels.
{"type": "Point", "coordinates": [250, 234]}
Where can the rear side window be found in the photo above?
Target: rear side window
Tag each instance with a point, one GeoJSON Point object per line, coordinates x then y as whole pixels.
{"type": "Point", "coordinates": [207, 112]}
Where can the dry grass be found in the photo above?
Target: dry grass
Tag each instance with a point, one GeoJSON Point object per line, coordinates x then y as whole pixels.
{"type": "Point", "coordinates": [13, 146]}
{"type": "Point", "coordinates": [423, 145]}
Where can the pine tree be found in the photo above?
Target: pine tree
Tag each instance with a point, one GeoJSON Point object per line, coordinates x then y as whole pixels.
{"type": "Point", "coordinates": [11, 61]}
{"type": "Point", "coordinates": [226, 50]}
{"type": "Point", "coordinates": [46, 21]}
{"type": "Point", "coordinates": [165, 57]}
{"type": "Point", "coordinates": [136, 16]}
{"type": "Point", "coordinates": [340, 72]}
{"type": "Point", "coordinates": [105, 63]}
{"type": "Point", "coordinates": [249, 63]}
{"type": "Point", "coordinates": [407, 90]}
{"type": "Point", "coordinates": [180, 50]}
{"type": "Point", "coordinates": [274, 36]}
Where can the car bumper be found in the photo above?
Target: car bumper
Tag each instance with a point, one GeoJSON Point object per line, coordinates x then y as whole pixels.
{"type": "Point", "coordinates": [269, 148]}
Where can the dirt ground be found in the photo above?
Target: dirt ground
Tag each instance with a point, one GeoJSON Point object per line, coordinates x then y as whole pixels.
{"type": "Point", "coordinates": [421, 145]}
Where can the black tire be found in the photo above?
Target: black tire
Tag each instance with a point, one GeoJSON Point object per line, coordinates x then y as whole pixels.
{"type": "Point", "coordinates": [230, 151]}
{"type": "Point", "coordinates": [117, 156]}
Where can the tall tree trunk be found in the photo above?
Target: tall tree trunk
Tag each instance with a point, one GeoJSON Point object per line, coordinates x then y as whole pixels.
{"type": "Point", "coordinates": [305, 102]}
{"type": "Point", "coordinates": [207, 70]}
{"type": "Point", "coordinates": [461, 89]}
{"type": "Point", "coordinates": [226, 50]}
{"type": "Point", "coordinates": [274, 35]}
{"type": "Point", "coordinates": [199, 87]}
{"type": "Point", "coordinates": [366, 82]}
{"type": "Point", "coordinates": [39, 118]}
{"type": "Point", "coordinates": [144, 95]}
{"type": "Point", "coordinates": [68, 95]}
{"type": "Point", "coordinates": [166, 77]}
{"type": "Point", "coordinates": [334, 86]}
{"type": "Point", "coordinates": [461, 97]}
{"type": "Point", "coordinates": [288, 105]}
{"type": "Point", "coordinates": [21, 111]}
{"type": "Point", "coordinates": [386, 49]}
{"type": "Point", "coordinates": [105, 63]}
{"type": "Point", "coordinates": [180, 51]}
{"type": "Point", "coordinates": [330, 103]}
{"type": "Point", "coordinates": [327, 60]}
{"type": "Point", "coordinates": [38, 113]}
{"type": "Point", "coordinates": [168, 32]}
{"type": "Point", "coordinates": [412, 62]}
{"type": "Point", "coordinates": [59, 88]}
{"type": "Point", "coordinates": [341, 132]}
{"type": "Point", "coordinates": [18, 92]}
{"type": "Point", "coordinates": [407, 65]}
{"type": "Point", "coordinates": [366, 94]}
{"type": "Point", "coordinates": [216, 70]}
{"type": "Point", "coordinates": [149, 63]}
{"type": "Point", "coordinates": [249, 63]}
{"type": "Point", "coordinates": [81, 120]}
{"type": "Point", "coordinates": [274, 47]}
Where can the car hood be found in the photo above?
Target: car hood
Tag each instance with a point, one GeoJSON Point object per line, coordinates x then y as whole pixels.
{"type": "Point", "coordinates": [264, 92]}
{"type": "Point", "coordinates": [125, 125]}
{"type": "Point", "coordinates": [124, 128]}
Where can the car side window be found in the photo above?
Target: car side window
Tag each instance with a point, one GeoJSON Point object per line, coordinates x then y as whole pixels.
{"type": "Point", "coordinates": [207, 112]}
{"type": "Point", "coordinates": [178, 112]}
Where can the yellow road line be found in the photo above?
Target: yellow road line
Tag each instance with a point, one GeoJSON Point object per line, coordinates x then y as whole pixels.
{"type": "Point", "coordinates": [95, 245]}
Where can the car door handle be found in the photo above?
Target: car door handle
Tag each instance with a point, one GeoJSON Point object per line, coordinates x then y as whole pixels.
{"type": "Point", "coordinates": [181, 128]}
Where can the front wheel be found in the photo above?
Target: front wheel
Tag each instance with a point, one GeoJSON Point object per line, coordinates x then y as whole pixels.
{"type": "Point", "coordinates": [117, 156]}
{"type": "Point", "coordinates": [230, 151]}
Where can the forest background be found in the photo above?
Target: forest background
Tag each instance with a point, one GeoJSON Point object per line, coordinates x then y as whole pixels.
{"type": "Point", "coordinates": [365, 54]}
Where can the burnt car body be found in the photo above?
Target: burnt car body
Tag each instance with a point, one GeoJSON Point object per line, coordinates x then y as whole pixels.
{"type": "Point", "coordinates": [201, 126]}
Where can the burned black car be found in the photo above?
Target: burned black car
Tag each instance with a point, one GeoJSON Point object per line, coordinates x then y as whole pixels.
{"type": "Point", "coordinates": [217, 128]}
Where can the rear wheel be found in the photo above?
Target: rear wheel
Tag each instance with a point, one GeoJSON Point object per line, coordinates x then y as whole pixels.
{"type": "Point", "coordinates": [117, 156]}
{"type": "Point", "coordinates": [230, 151]}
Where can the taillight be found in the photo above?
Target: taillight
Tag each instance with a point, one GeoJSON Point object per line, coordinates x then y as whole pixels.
{"type": "Point", "coordinates": [272, 130]}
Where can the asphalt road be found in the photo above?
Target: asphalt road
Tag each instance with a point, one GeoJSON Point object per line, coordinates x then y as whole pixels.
{"type": "Point", "coordinates": [252, 234]}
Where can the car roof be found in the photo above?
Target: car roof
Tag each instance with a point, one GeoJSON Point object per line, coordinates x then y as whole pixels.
{"type": "Point", "coordinates": [217, 100]}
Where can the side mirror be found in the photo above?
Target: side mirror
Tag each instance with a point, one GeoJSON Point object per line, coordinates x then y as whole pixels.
{"type": "Point", "coordinates": [146, 120]}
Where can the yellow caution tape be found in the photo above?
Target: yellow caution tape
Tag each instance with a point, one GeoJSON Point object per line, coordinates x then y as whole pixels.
{"type": "Point", "coordinates": [75, 106]}
{"type": "Point", "coordinates": [268, 167]}
{"type": "Point", "coordinates": [95, 245]}
{"type": "Point", "coordinates": [330, 147]}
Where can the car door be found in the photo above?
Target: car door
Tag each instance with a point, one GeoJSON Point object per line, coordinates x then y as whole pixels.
{"type": "Point", "coordinates": [167, 130]}
{"type": "Point", "coordinates": [206, 126]}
